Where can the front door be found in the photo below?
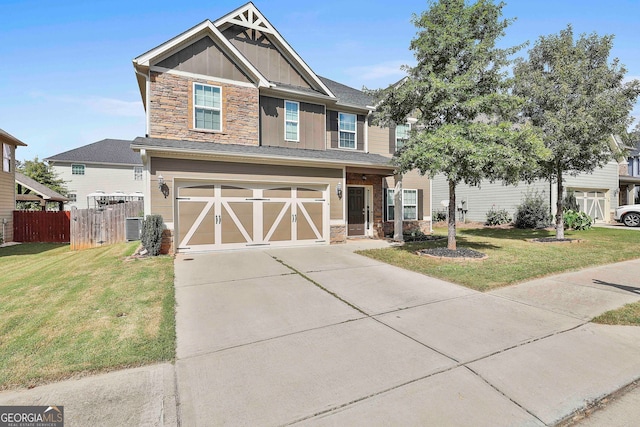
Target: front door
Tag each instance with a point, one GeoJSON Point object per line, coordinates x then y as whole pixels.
{"type": "Point", "coordinates": [355, 209]}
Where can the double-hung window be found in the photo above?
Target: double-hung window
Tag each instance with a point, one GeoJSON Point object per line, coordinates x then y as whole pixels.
{"type": "Point", "coordinates": [207, 107]}
{"type": "Point", "coordinates": [402, 135]}
{"type": "Point", "coordinates": [137, 173]}
{"type": "Point", "coordinates": [347, 130]}
{"type": "Point", "coordinates": [291, 121]}
{"type": "Point", "coordinates": [409, 204]}
{"type": "Point", "coordinates": [7, 158]}
{"type": "Point", "coordinates": [77, 169]}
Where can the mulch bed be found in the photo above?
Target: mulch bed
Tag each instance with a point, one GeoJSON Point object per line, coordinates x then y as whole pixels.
{"type": "Point", "coordinates": [554, 240]}
{"type": "Point", "coordinates": [460, 254]}
{"type": "Point", "coordinates": [422, 238]}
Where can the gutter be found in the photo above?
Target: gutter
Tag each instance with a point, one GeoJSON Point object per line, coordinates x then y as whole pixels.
{"type": "Point", "coordinates": [261, 157]}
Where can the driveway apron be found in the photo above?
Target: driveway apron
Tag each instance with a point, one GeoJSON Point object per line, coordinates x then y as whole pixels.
{"type": "Point", "coordinates": [323, 336]}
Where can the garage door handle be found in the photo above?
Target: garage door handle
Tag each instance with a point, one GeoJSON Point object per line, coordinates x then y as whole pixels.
{"type": "Point", "coordinates": [218, 219]}
{"type": "Point", "coordinates": [294, 218]}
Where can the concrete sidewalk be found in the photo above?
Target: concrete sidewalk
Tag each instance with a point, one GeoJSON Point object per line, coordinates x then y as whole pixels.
{"type": "Point", "coordinates": [322, 336]}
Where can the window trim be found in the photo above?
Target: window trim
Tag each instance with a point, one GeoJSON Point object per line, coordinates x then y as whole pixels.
{"type": "Point", "coordinates": [7, 160]}
{"type": "Point", "coordinates": [390, 202]}
{"type": "Point", "coordinates": [297, 121]}
{"type": "Point", "coordinates": [138, 171]}
{"type": "Point", "coordinates": [396, 132]}
{"type": "Point", "coordinates": [354, 132]}
{"type": "Point", "coordinates": [84, 167]}
{"type": "Point", "coordinates": [203, 107]}
{"type": "Point", "coordinates": [73, 197]}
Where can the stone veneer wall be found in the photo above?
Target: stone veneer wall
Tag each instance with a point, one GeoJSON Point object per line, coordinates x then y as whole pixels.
{"type": "Point", "coordinates": [171, 111]}
{"type": "Point", "coordinates": [408, 226]}
{"type": "Point", "coordinates": [338, 234]}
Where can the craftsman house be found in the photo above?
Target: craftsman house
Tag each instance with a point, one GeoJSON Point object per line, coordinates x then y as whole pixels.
{"type": "Point", "coordinates": [246, 146]}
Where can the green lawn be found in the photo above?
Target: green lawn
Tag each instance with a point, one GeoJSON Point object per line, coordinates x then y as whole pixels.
{"type": "Point", "coordinates": [64, 313]}
{"type": "Point", "coordinates": [512, 258]}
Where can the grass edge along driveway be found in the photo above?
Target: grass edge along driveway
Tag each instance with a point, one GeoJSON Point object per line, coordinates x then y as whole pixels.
{"type": "Point", "coordinates": [65, 314]}
{"type": "Point", "coordinates": [513, 259]}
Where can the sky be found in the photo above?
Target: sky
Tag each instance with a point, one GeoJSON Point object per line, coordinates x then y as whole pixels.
{"type": "Point", "coordinates": [67, 80]}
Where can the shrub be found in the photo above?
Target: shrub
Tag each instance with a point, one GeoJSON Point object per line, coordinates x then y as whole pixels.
{"type": "Point", "coordinates": [533, 212]}
{"type": "Point", "coordinates": [569, 202]}
{"type": "Point", "coordinates": [577, 220]}
{"type": "Point", "coordinates": [152, 234]}
{"type": "Point", "coordinates": [498, 216]}
{"type": "Point", "coordinates": [438, 216]}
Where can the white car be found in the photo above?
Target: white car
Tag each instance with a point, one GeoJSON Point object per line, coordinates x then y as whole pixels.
{"type": "Point", "coordinates": [629, 215]}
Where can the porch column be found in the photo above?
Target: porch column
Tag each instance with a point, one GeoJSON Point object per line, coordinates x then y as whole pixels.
{"type": "Point", "coordinates": [397, 209]}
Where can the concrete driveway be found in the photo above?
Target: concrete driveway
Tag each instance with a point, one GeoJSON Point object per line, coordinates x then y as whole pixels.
{"type": "Point", "coordinates": [323, 336]}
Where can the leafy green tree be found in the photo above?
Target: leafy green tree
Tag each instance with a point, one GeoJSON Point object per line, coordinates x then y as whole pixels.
{"type": "Point", "coordinates": [43, 173]}
{"type": "Point", "coordinates": [578, 99]}
{"type": "Point", "coordinates": [459, 92]}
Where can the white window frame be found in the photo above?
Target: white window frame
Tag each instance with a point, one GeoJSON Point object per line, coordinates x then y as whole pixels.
{"type": "Point", "coordinates": [7, 158]}
{"type": "Point", "coordinates": [296, 121]}
{"type": "Point", "coordinates": [138, 173]}
{"type": "Point", "coordinates": [204, 107]}
{"type": "Point", "coordinates": [78, 165]}
{"type": "Point", "coordinates": [354, 132]}
{"type": "Point", "coordinates": [73, 197]}
{"type": "Point", "coordinates": [408, 130]}
{"type": "Point", "coordinates": [390, 203]}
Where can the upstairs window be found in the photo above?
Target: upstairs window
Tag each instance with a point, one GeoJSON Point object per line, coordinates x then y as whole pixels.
{"type": "Point", "coordinates": [137, 173]}
{"type": "Point", "coordinates": [73, 197]}
{"type": "Point", "coordinates": [291, 121]}
{"type": "Point", "coordinates": [207, 107]}
{"type": "Point", "coordinates": [77, 169]}
{"type": "Point", "coordinates": [402, 135]}
{"type": "Point", "coordinates": [7, 158]}
{"type": "Point", "coordinates": [347, 130]}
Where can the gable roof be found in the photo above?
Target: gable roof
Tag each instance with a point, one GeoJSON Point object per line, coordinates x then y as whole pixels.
{"type": "Point", "coordinates": [250, 17]}
{"type": "Point", "coordinates": [107, 151]}
{"type": "Point", "coordinates": [10, 139]}
{"type": "Point", "coordinates": [42, 190]}
{"type": "Point", "coordinates": [349, 96]}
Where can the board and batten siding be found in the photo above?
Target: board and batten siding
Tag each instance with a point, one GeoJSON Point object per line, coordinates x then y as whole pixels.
{"type": "Point", "coordinates": [97, 178]}
{"type": "Point", "coordinates": [264, 55]}
{"type": "Point", "coordinates": [480, 199]}
{"type": "Point", "coordinates": [204, 57]}
{"type": "Point", "coordinates": [180, 170]}
{"type": "Point", "coordinates": [310, 124]}
{"type": "Point", "coordinates": [7, 197]}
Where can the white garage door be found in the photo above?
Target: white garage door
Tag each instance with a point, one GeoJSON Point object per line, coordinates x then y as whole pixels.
{"type": "Point", "coordinates": [593, 202]}
{"type": "Point", "coordinates": [213, 216]}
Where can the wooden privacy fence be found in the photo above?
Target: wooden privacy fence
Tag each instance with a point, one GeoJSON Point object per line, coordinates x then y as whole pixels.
{"type": "Point", "coordinates": [41, 226]}
{"type": "Point", "coordinates": [91, 228]}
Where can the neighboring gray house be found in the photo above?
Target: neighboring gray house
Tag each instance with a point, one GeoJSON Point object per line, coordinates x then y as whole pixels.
{"type": "Point", "coordinates": [109, 166]}
{"type": "Point", "coordinates": [630, 178]}
{"type": "Point", "coordinates": [596, 194]}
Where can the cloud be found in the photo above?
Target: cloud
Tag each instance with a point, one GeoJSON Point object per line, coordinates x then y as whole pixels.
{"type": "Point", "coordinates": [627, 79]}
{"type": "Point", "coordinates": [102, 105]}
{"type": "Point", "coordinates": [388, 71]}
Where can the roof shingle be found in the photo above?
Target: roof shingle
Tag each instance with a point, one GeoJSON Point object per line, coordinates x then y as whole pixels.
{"type": "Point", "coordinates": [107, 151]}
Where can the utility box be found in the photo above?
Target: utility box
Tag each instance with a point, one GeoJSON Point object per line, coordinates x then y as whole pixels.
{"type": "Point", "coordinates": [133, 228]}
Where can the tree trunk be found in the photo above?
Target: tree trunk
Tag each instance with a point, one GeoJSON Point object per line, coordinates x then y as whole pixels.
{"type": "Point", "coordinates": [559, 207]}
{"type": "Point", "coordinates": [451, 242]}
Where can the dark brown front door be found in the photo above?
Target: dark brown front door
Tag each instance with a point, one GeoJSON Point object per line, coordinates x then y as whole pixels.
{"type": "Point", "coordinates": [355, 209]}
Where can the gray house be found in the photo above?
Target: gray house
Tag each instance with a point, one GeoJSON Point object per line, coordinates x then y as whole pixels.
{"type": "Point", "coordinates": [596, 193]}
{"type": "Point", "coordinates": [108, 167]}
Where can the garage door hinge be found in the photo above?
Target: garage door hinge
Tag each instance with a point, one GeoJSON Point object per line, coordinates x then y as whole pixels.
{"type": "Point", "coordinates": [183, 198]}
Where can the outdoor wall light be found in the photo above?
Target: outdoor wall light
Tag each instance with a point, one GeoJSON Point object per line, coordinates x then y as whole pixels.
{"type": "Point", "coordinates": [162, 186]}
{"type": "Point", "coordinates": [339, 190]}
{"type": "Point", "coordinates": [364, 177]}
{"type": "Point", "coordinates": [160, 182]}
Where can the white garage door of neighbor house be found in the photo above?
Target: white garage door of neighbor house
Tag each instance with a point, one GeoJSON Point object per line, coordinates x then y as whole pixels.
{"type": "Point", "coordinates": [593, 202]}
{"type": "Point", "coordinates": [214, 216]}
